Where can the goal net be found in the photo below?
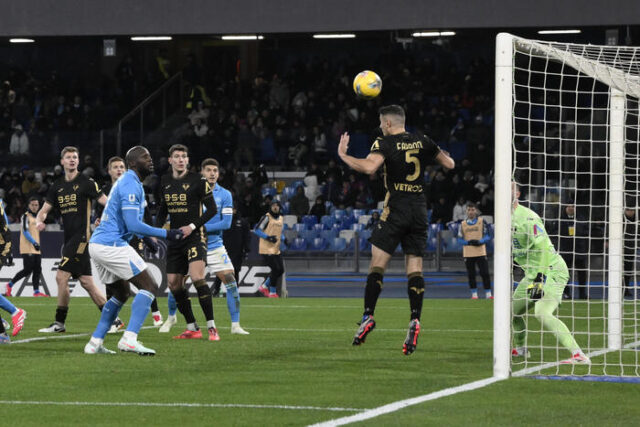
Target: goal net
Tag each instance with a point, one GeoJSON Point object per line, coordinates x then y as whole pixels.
{"type": "Point", "coordinates": [567, 119]}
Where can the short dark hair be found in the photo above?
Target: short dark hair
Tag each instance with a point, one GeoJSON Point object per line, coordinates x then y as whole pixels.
{"type": "Point", "coordinates": [133, 154]}
{"type": "Point", "coordinates": [392, 110]}
{"type": "Point", "coordinates": [69, 149]}
{"type": "Point", "coordinates": [471, 205]}
{"type": "Point", "coordinates": [32, 198]}
{"type": "Point", "coordinates": [178, 147]}
{"type": "Point", "coordinates": [113, 160]}
{"type": "Point", "coordinates": [209, 162]}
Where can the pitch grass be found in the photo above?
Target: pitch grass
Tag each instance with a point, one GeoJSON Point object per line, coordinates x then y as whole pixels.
{"type": "Point", "coordinates": [299, 353]}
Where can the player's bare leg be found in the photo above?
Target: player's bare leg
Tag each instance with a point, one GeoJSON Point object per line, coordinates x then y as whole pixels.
{"type": "Point", "coordinates": [415, 290]}
{"type": "Point", "coordinates": [95, 294]}
{"type": "Point", "coordinates": [178, 288]}
{"type": "Point", "coordinates": [197, 273]}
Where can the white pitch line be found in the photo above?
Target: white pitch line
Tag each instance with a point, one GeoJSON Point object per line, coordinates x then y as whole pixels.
{"type": "Point", "coordinates": [395, 406]}
{"type": "Point", "coordinates": [60, 337]}
{"type": "Point", "coordinates": [181, 405]}
{"type": "Point", "coordinates": [534, 369]}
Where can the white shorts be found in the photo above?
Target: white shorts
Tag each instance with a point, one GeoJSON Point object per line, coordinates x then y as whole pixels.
{"type": "Point", "coordinates": [218, 260]}
{"type": "Point", "coordinates": [115, 263]}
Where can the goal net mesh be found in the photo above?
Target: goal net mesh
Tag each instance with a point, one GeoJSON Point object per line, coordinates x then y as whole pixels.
{"type": "Point", "coordinates": [562, 132]}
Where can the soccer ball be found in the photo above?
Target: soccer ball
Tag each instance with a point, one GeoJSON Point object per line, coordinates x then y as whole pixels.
{"type": "Point", "coordinates": [367, 84]}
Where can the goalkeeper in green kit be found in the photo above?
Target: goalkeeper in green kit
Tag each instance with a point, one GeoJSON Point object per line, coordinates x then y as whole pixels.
{"type": "Point", "coordinates": [546, 276]}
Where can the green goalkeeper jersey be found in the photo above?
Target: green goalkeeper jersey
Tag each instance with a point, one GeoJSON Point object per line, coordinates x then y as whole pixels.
{"type": "Point", "coordinates": [532, 248]}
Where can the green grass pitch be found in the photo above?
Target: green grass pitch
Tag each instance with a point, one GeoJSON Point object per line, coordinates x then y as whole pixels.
{"type": "Point", "coordinates": [298, 362]}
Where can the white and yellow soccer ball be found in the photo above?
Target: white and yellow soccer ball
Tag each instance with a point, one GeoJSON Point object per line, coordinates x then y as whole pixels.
{"type": "Point", "coordinates": [367, 84]}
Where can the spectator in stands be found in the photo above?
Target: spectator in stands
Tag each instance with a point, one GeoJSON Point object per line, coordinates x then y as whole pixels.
{"type": "Point", "coordinates": [441, 212]}
{"type": "Point", "coordinates": [200, 113]}
{"type": "Point", "coordinates": [347, 195]}
{"type": "Point", "coordinates": [19, 145]}
{"type": "Point", "coordinates": [298, 153]}
{"type": "Point", "coordinates": [259, 176]}
{"type": "Point", "coordinates": [30, 185]}
{"type": "Point", "coordinates": [335, 170]}
{"type": "Point", "coordinates": [486, 203]}
{"type": "Point", "coordinates": [481, 186]}
{"type": "Point", "coordinates": [299, 203]}
{"type": "Point", "coordinates": [440, 186]}
{"type": "Point", "coordinates": [331, 190]}
{"type": "Point", "coordinates": [246, 142]}
{"type": "Point", "coordinates": [319, 208]}
{"type": "Point", "coordinates": [572, 245]}
{"type": "Point", "coordinates": [459, 210]}
{"type": "Point", "coordinates": [315, 169]}
{"type": "Point", "coordinates": [468, 186]}
{"type": "Point", "coordinates": [320, 145]}
{"type": "Point", "coordinates": [373, 221]}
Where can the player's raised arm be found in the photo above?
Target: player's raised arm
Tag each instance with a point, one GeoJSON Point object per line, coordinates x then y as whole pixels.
{"type": "Point", "coordinates": [368, 165]}
{"type": "Point", "coordinates": [445, 160]}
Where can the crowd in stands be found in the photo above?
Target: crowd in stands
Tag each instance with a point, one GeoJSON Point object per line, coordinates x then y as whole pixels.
{"type": "Point", "coordinates": [276, 121]}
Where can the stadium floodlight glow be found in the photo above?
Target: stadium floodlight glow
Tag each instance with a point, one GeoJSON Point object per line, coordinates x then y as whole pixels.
{"type": "Point", "coordinates": [335, 36]}
{"type": "Point", "coordinates": [150, 38]}
{"type": "Point", "coordinates": [434, 34]}
{"type": "Point", "coordinates": [243, 37]}
{"type": "Point", "coordinates": [559, 31]}
{"type": "Point", "coordinates": [21, 40]}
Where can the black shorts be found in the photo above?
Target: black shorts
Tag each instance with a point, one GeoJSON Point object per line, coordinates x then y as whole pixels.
{"type": "Point", "coordinates": [406, 225]}
{"type": "Point", "coordinates": [180, 256]}
{"type": "Point", "coordinates": [75, 258]}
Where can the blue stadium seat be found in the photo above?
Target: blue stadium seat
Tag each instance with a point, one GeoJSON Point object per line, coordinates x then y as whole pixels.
{"type": "Point", "coordinates": [328, 205]}
{"type": "Point", "coordinates": [339, 214]}
{"type": "Point", "coordinates": [357, 213]}
{"type": "Point", "coordinates": [298, 244]}
{"type": "Point", "coordinates": [433, 230]}
{"type": "Point", "coordinates": [288, 192]}
{"type": "Point", "coordinates": [319, 227]}
{"type": "Point", "coordinates": [328, 221]}
{"type": "Point", "coordinates": [338, 244]}
{"type": "Point", "coordinates": [297, 184]}
{"type": "Point", "coordinates": [329, 235]}
{"type": "Point", "coordinates": [318, 244]}
{"type": "Point", "coordinates": [299, 227]}
{"type": "Point", "coordinates": [336, 227]}
{"type": "Point", "coordinates": [308, 235]}
{"type": "Point", "coordinates": [269, 191]}
{"type": "Point", "coordinates": [286, 206]}
{"type": "Point", "coordinates": [357, 227]}
{"type": "Point", "coordinates": [365, 233]}
{"type": "Point", "coordinates": [347, 222]}
{"type": "Point", "coordinates": [349, 210]}
{"type": "Point", "coordinates": [309, 220]}
{"type": "Point", "coordinates": [454, 226]}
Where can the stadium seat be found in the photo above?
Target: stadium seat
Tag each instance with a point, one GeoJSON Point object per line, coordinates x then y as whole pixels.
{"type": "Point", "coordinates": [347, 235]}
{"type": "Point", "coordinates": [328, 221]}
{"type": "Point", "coordinates": [319, 227]}
{"type": "Point", "coordinates": [337, 245]}
{"type": "Point", "coordinates": [297, 184]}
{"type": "Point", "coordinates": [288, 192]}
{"type": "Point", "coordinates": [319, 244]}
{"type": "Point", "coordinates": [433, 230]}
{"type": "Point", "coordinates": [357, 213]}
{"type": "Point", "coordinates": [299, 227]}
{"type": "Point", "coordinates": [298, 244]}
{"type": "Point", "coordinates": [290, 235]}
{"type": "Point", "coordinates": [349, 210]}
{"type": "Point", "coordinates": [270, 191]}
{"type": "Point", "coordinates": [363, 244]}
{"type": "Point", "coordinates": [357, 227]}
{"type": "Point", "coordinates": [365, 233]}
{"type": "Point", "coordinates": [339, 214]}
{"type": "Point", "coordinates": [328, 205]}
{"type": "Point", "coordinates": [337, 227]}
{"type": "Point", "coordinates": [364, 219]}
{"type": "Point", "coordinates": [290, 220]}
{"type": "Point", "coordinates": [308, 235]}
{"type": "Point", "coordinates": [309, 220]}
{"type": "Point", "coordinates": [329, 235]}
{"type": "Point", "coordinates": [286, 207]}
{"type": "Point", "coordinates": [454, 226]}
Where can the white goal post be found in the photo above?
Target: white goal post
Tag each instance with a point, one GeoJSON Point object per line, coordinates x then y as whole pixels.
{"type": "Point", "coordinates": [567, 122]}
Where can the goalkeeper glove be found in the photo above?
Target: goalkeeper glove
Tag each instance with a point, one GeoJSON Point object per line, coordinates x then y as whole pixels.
{"type": "Point", "coordinates": [535, 290]}
{"type": "Point", "coordinates": [474, 242]}
{"type": "Point", "coordinates": [272, 239]}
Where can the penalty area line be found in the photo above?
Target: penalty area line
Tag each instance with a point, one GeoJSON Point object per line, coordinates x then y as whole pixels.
{"type": "Point", "coordinates": [181, 405]}
{"type": "Point", "coordinates": [401, 404]}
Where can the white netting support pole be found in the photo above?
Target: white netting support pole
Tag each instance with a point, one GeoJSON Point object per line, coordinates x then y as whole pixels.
{"type": "Point", "coordinates": [616, 211]}
{"type": "Point", "coordinates": [502, 239]}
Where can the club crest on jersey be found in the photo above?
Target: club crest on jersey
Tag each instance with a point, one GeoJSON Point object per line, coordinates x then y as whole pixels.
{"type": "Point", "coordinates": [132, 198]}
{"type": "Point", "coordinates": [185, 186]}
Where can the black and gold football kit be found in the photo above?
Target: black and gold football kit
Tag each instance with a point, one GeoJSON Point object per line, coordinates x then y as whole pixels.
{"type": "Point", "coordinates": [404, 216]}
{"type": "Point", "coordinates": [73, 200]}
{"type": "Point", "coordinates": [183, 200]}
